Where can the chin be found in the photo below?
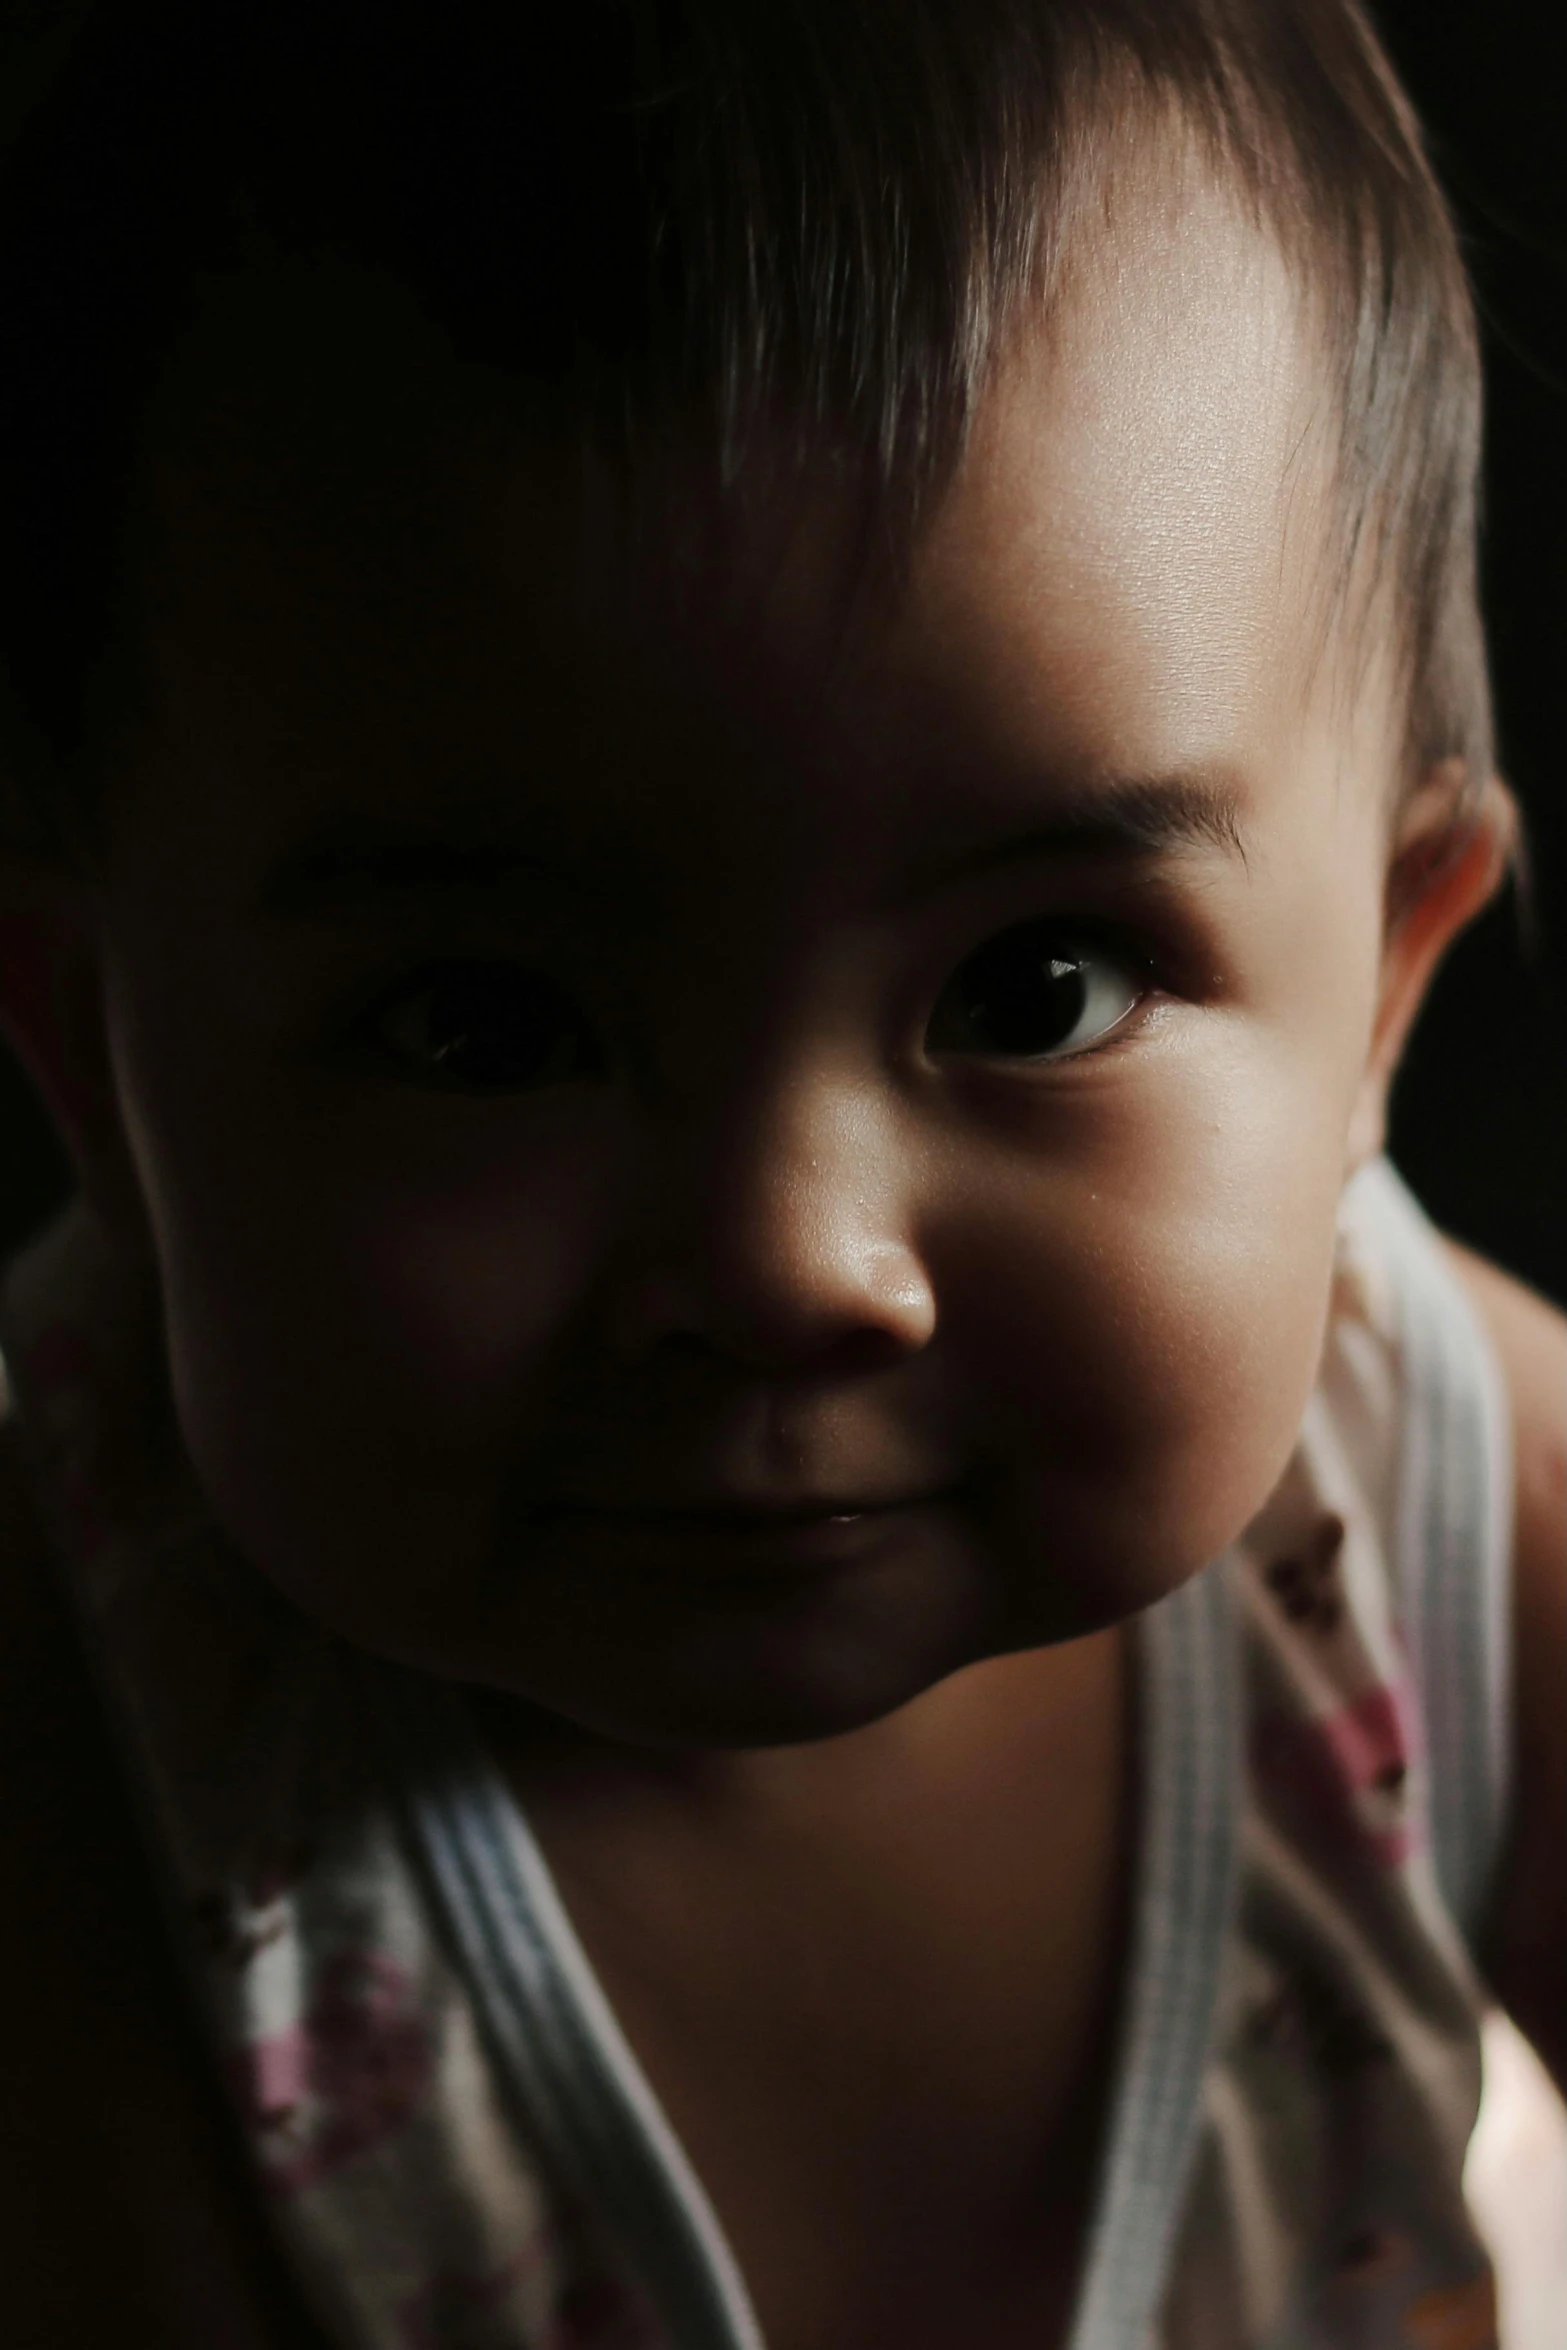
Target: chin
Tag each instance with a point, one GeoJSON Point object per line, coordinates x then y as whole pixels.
{"type": "Point", "coordinates": [660, 1663]}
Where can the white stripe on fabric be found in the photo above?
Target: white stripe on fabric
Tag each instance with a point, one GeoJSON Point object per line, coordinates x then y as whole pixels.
{"type": "Point", "coordinates": [561, 2056]}
{"type": "Point", "coordinates": [573, 2078]}
{"type": "Point", "coordinates": [1453, 1542]}
{"type": "Point", "coordinates": [1188, 1843]}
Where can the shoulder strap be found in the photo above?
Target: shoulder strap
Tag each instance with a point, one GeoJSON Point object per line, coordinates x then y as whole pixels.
{"type": "Point", "coordinates": [1452, 1538]}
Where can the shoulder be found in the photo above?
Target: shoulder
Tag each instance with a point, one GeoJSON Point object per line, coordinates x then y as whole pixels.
{"type": "Point", "coordinates": [123, 2213]}
{"type": "Point", "coordinates": [1525, 1946]}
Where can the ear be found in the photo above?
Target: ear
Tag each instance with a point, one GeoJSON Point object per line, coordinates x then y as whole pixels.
{"type": "Point", "coordinates": [1446, 863]}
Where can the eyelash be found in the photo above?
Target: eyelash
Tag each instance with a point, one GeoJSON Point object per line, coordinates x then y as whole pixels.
{"type": "Point", "coordinates": [563, 1045]}
{"type": "Point", "coordinates": [1006, 983]}
{"type": "Point", "coordinates": [551, 1040]}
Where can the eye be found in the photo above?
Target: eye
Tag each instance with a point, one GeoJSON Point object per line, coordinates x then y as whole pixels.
{"type": "Point", "coordinates": [480, 1025]}
{"type": "Point", "coordinates": [1036, 993]}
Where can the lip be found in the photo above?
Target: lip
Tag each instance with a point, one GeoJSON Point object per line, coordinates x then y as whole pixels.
{"type": "Point", "coordinates": [730, 1543]}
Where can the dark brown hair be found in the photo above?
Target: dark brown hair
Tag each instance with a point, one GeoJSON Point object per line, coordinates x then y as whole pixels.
{"type": "Point", "coordinates": [644, 210]}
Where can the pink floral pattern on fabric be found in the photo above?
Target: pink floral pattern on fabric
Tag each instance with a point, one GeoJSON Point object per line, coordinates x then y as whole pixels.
{"type": "Point", "coordinates": [347, 2076]}
{"type": "Point", "coordinates": [1342, 1775]}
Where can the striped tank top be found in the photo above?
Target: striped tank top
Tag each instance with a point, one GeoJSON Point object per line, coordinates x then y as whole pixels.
{"type": "Point", "coordinates": [454, 2142]}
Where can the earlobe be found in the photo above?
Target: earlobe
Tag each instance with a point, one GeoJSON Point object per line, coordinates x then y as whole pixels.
{"type": "Point", "coordinates": [1447, 862]}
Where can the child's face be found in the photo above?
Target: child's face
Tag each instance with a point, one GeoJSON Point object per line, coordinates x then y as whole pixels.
{"type": "Point", "coordinates": [629, 1234]}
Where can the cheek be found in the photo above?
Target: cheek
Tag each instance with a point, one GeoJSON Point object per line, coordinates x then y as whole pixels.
{"type": "Point", "coordinates": [1156, 1319]}
{"type": "Point", "coordinates": [357, 1328]}
{"type": "Point", "coordinates": [462, 1282]}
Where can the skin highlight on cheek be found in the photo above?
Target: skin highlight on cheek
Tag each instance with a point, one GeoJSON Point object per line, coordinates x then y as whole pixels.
{"type": "Point", "coordinates": [1158, 1419]}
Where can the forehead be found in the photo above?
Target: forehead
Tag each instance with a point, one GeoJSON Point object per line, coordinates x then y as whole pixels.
{"type": "Point", "coordinates": [375, 591]}
{"type": "Point", "coordinates": [1150, 485]}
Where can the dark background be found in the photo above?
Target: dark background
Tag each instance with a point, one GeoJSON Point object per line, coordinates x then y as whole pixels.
{"type": "Point", "coordinates": [1480, 1115]}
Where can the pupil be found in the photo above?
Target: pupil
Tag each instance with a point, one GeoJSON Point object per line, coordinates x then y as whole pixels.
{"type": "Point", "coordinates": [493, 1028]}
{"type": "Point", "coordinates": [1020, 998]}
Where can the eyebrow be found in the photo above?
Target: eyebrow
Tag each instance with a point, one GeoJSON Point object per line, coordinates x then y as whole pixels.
{"type": "Point", "coordinates": [1126, 819]}
{"type": "Point", "coordinates": [361, 863]}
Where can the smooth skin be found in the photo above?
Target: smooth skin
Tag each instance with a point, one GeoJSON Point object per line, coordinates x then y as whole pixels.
{"type": "Point", "coordinates": [780, 1396]}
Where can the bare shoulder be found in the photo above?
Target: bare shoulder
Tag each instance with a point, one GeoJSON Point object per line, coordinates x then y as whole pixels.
{"type": "Point", "coordinates": [1525, 1948]}
{"type": "Point", "coordinates": [124, 2215]}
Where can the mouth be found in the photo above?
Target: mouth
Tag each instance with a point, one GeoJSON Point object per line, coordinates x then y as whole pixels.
{"type": "Point", "coordinates": [734, 1544]}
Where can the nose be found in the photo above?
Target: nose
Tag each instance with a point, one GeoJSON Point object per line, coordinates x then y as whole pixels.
{"type": "Point", "coordinates": [783, 1235]}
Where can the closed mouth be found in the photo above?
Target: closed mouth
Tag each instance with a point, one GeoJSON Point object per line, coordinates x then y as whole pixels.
{"type": "Point", "coordinates": [726, 1542]}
